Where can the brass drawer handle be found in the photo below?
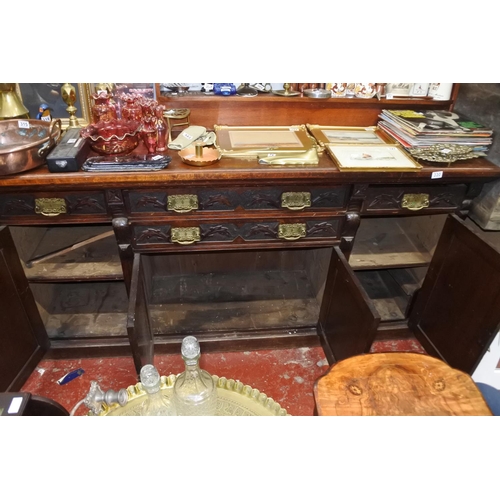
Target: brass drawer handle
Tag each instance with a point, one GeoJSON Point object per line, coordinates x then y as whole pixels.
{"type": "Point", "coordinates": [50, 207]}
{"type": "Point", "coordinates": [182, 203]}
{"type": "Point", "coordinates": [292, 231]}
{"type": "Point", "coordinates": [415, 201]}
{"type": "Point", "coordinates": [185, 235]}
{"type": "Point", "coordinates": [296, 200]}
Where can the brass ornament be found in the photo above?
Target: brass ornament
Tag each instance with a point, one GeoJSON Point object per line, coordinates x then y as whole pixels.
{"type": "Point", "coordinates": [292, 232]}
{"type": "Point", "coordinates": [68, 93]}
{"type": "Point", "coordinates": [50, 207]}
{"type": "Point", "coordinates": [182, 203]}
{"type": "Point", "coordinates": [185, 235]}
{"type": "Point", "coordinates": [415, 201]}
{"type": "Point", "coordinates": [296, 200]}
{"type": "Point", "coordinates": [444, 153]}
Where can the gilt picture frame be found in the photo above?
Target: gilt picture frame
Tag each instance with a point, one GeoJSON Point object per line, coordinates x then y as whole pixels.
{"type": "Point", "coordinates": [328, 134]}
{"type": "Point", "coordinates": [34, 94]}
{"type": "Point", "coordinates": [372, 157]}
{"type": "Point", "coordinates": [257, 140]}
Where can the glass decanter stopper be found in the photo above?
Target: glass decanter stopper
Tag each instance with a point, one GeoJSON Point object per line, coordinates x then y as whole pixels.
{"type": "Point", "coordinates": [157, 403]}
{"type": "Point", "coordinates": [195, 392]}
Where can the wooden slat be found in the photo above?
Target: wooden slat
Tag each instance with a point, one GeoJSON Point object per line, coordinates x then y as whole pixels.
{"type": "Point", "coordinates": [82, 253]}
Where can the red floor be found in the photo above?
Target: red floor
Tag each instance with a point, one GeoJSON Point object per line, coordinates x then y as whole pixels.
{"type": "Point", "coordinates": [285, 375]}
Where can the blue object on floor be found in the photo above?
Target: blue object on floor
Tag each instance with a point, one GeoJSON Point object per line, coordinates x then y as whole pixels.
{"type": "Point", "coordinates": [492, 397]}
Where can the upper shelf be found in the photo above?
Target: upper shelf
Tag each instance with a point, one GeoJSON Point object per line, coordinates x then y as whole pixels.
{"type": "Point", "coordinates": [271, 109]}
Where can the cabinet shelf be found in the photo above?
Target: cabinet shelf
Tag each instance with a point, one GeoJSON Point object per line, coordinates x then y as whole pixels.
{"type": "Point", "coordinates": [393, 242]}
{"type": "Point", "coordinates": [68, 253]}
{"type": "Point", "coordinates": [271, 109]}
{"type": "Point", "coordinates": [82, 310]}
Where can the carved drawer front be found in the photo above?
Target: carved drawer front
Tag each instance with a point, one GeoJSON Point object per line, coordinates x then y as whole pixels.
{"type": "Point", "coordinates": [229, 199]}
{"type": "Point", "coordinates": [408, 199]}
{"type": "Point", "coordinates": [294, 198]}
{"type": "Point", "coordinates": [174, 236]}
{"type": "Point", "coordinates": [185, 201]}
{"type": "Point", "coordinates": [54, 206]}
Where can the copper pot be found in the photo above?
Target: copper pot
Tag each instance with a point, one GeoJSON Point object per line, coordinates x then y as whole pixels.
{"type": "Point", "coordinates": [24, 144]}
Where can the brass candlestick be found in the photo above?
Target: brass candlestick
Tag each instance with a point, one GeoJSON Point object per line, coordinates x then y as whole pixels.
{"type": "Point", "coordinates": [68, 93]}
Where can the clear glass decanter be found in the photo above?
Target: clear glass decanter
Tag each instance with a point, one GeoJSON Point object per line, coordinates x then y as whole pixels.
{"type": "Point", "coordinates": [157, 403]}
{"type": "Point", "coordinates": [195, 392]}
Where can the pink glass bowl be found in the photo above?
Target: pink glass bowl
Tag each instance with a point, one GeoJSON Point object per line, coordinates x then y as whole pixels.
{"type": "Point", "coordinates": [115, 137]}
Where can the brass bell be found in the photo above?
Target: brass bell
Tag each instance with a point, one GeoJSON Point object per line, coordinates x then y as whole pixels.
{"type": "Point", "coordinates": [11, 105]}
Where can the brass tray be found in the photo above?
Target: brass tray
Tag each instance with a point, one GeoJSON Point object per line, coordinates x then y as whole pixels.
{"type": "Point", "coordinates": [234, 399]}
{"type": "Point", "coordinates": [444, 153]}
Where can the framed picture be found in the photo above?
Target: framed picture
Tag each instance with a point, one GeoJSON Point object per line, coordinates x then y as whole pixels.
{"type": "Point", "coordinates": [378, 157]}
{"type": "Point", "coordinates": [326, 134]}
{"type": "Point", "coordinates": [398, 89]}
{"type": "Point", "coordinates": [34, 94]}
{"type": "Point", "coordinates": [255, 141]}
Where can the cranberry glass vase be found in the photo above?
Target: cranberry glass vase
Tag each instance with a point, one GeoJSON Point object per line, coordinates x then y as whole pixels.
{"type": "Point", "coordinates": [103, 109]}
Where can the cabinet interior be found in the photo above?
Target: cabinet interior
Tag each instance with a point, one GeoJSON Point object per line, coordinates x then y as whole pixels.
{"type": "Point", "coordinates": [76, 278]}
{"type": "Point", "coordinates": [235, 291]}
{"type": "Point", "coordinates": [390, 257]}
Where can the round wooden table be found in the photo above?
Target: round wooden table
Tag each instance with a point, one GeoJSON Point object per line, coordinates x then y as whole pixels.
{"type": "Point", "coordinates": [397, 384]}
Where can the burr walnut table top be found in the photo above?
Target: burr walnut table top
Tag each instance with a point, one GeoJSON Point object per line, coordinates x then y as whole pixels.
{"type": "Point", "coordinates": [397, 384]}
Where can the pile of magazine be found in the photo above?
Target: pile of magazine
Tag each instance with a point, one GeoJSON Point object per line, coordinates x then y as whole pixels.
{"type": "Point", "coordinates": [420, 129]}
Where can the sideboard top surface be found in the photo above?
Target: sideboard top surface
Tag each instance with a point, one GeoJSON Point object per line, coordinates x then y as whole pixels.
{"type": "Point", "coordinates": [238, 171]}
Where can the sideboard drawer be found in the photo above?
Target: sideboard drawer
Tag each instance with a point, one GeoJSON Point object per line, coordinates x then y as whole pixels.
{"type": "Point", "coordinates": [54, 206]}
{"type": "Point", "coordinates": [187, 201]}
{"type": "Point", "coordinates": [172, 237]}
{"type": "Point", "coordinates": [405, 199]}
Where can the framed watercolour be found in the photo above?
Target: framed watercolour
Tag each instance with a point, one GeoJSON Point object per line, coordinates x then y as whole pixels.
{"type": "Point", "coordinates": [254, 141]}
{"type": "Point", "coordinates": [326, 134]}
{"type": "Point", "coordinates": [372, 157]}
{"type": "Point", "coordinates": [34, 94]}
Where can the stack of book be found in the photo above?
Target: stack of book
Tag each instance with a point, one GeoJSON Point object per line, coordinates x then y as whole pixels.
{"type": "Point", "coordinates": [421, 129]}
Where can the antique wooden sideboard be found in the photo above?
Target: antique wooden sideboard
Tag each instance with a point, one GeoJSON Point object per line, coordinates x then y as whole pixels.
{"type": "Point", "coordinates": [243, 256]}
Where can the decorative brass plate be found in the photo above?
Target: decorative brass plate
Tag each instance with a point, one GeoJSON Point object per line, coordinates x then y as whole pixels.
{"type": "Point", "coordinates": [292, 231]}
{"type": "Point", "coordinates": [50, 207]}
{"type": "Point", "coordinates": [233, 399]}
{"type": "Point", "coordinates": [182, 203]}
{"type": "Point", "coordinates": [296, 200]}
{"type": "Point", "coordinates": [415, 201]}
{"type": "Point", "coordinates": [185, 235]}
{"type": "Point", "coordinates": [444, 153]}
